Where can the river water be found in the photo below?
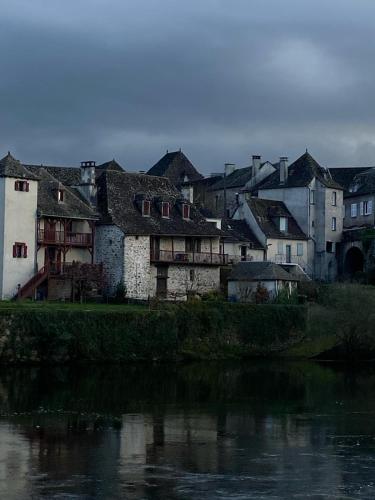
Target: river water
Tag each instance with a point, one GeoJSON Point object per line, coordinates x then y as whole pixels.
{"type": "Point", "coordinates": [199, 431]}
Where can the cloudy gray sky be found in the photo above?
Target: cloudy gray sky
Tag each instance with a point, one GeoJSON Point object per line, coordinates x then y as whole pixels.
{"type": "Point", "coordinates": [97, 79]}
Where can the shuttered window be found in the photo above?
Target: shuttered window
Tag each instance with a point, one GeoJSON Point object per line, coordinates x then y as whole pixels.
{"type": "Point", "coordinates": [21, 186]}
{"type": "Point", "coordinates": [185, 211]}
{"type": "Point", "coordinates": [165, 209]}
{"type": "Point", "coordinates": [20, 250]}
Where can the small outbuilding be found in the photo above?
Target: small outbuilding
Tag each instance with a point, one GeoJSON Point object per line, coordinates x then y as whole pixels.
{"type": "Point", "coordinates": [259, 282]}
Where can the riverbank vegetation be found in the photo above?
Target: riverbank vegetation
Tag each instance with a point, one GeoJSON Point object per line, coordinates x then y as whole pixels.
{"type": "Point", "coordinates": [338, 323]}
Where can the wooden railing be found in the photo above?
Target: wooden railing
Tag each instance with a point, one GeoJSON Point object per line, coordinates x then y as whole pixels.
{"type": "Point", "coordinates": [181, 257]}
{"type": "Point", "coordinates": [64, 238]}
{"type": "Point", "coordinates": [29, 287]}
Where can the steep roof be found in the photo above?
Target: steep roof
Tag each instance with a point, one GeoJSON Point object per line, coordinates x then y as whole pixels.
{"type": "Point", "coordinates": [344, 176]}
{"type": "Point", "coordinates": [239, 230]}
{"type": "Point", "coordinates": [73, 206]}
{"type": "Point", "coordinates": [176, 166]}
{"type": "Point", "coordinates": [10, 167]}
{"type": "Point", "coordinates": [110, 165]}
{"type": "Point", "coordinates": [70, 176]}
{"type": "Point", "coordinates": [117, 195]}
{"type": "Point", "coordinates": [362, 183]}
{"type": "Point", "coordinates": [300, 174]}
{"type": "Point", "coordinates": [259, 271]}
{"type": "Point", "coordinates": [265, 213]}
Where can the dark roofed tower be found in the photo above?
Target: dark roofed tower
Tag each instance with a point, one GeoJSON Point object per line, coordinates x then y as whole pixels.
{"type": "Point", "coordinates": [176, 167]}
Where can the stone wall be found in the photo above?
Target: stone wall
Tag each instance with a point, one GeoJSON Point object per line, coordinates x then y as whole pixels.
{"type": "Point", "coordinates": [137, 267]}
{"type": "Point", "coordinates": [109, 250]}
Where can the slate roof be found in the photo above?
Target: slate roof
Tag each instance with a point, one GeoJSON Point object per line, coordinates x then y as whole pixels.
{"type": "Point", "coordinates": [237, 178]}
{"type": "Point", "coordinates": [117, 193]}
{"type": "Point", "coordinates": [362, 183]}
{"type": "Point", "coordinates": [175, 165]}
{"type": "Point", "coordinates": [300, 174]}
{"type": "Point", "coordinates": [265, 213]}
{"type": "Point", "coordinates": [10, 167]}
{"type": "Point", "coordinates": [259, 271]}
{"type": "Point", "coordinates": [345, 176]}
{"type": "Point", "coordinates": [239, 230]}
{"type": "Point", "coordinates": [73, 206]}
{"type": "Point", "coordinates": [70, 176]}
{"type": "Point", "coordinates": [110, 165]}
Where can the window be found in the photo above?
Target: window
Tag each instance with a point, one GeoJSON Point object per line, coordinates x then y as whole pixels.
{"type": "Point", "coordinates": [146, 208]}
{"type": "Point", "coordinates": [20, 250]}
{"type": "Point", "coordinates": [353, 209]}
{"type": "Point", "coordinates": [299, 249]}
{"type": "Point", "coordinates": [280, 247]}
{"type": "Point", "coordinates": [193, 245]}
{"type": "Point", "coordinates": [329, 247]}
{"type": "Point", "coordinates": [367, 207]}
{"type": "Point", "coordinates": [312, 223]}
{"type": "Point", "coordinates": [361, 208]}
{"type": "Point", "coordinates": [312, 197]}
{"type": "Point", "coordinates": [21, 186]}
{"type": "Point", "coordinates": [334, 198]}
{"type": "Point", "coordinates": [165, 209]}
{"type": "Point", "coordinates": [334, 224]}
{"type": "Point", "coordinates": [60, 195]}
{"type": "Point", "coordinates": [283, 224]}
{"type": "Point", "coordinates": [186, 211]}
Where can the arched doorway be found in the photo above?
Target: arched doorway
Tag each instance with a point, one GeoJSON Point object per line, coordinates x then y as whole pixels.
{"type": "Point", "coordinates": [354, 261]}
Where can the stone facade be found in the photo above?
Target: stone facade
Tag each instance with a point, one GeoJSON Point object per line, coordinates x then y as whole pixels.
{"type": "Point", "coordinates": [109, 250]}
{"type": "Point", "coordinates": [137, 267]}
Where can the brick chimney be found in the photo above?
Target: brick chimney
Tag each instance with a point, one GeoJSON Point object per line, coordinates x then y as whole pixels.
{"type": "Point", "coordinates": [87, 186]}
{"type": "Point", "coordinates": [283, 169]}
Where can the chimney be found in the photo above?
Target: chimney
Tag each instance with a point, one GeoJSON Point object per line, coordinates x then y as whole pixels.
{"type": "Point", "coordinates": [283, 168]}
{"type": "Point", "coordinates": [229, 168]}
{"type": "Point", "coordinates": [256, 165]}
{"type": "Point", "coordinates": [88, 183]}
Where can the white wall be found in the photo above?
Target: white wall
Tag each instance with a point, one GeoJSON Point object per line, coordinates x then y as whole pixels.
{"type": "Point", "coordinates": [18, 224]}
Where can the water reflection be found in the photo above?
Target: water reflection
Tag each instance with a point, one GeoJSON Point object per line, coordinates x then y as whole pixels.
{"type": "Point", "coordinates": [256, 430]}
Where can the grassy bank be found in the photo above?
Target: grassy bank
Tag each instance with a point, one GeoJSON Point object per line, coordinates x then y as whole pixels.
{"type": "Point", "coordinates": [69, 332]}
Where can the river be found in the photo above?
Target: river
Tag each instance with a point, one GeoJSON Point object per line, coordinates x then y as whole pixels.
{"type": "Point", "coordinates": [250, 430]}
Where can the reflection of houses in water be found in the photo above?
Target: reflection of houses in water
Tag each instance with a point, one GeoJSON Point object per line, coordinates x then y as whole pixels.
{"type": "Point", "coordinates": [14, 463]}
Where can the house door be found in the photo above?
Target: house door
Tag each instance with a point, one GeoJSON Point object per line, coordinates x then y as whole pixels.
{"type": "Point", "coordinates": [161, 282]}
{"type": "Point", "coordinates": [50, 231]}
{"type": "Point", "coordinates": [243, 253]}
{"type": "Point", "coordinates": [52, 257]}
{"type": "Point", "coordinates": [288, 251]}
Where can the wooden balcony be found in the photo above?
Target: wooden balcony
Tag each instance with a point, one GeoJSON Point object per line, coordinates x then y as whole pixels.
{"type": "Point", "coordinates": [180, 257]}
{"type": "Point", "coordinates": [64, 238]}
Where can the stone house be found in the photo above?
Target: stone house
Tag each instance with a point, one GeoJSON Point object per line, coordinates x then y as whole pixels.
{"type": "Point", "coordinates": [246, 278]}
{"type": "Point", "coordinates": [153, 240]}
{"type": "Point", "coordinates": [222, 197]}
{"type": "Point", "coordinates": [315, 200]}
{"type": "Point", "coordinates": [239, 242]}
{"type": "Point", "coordinates": [276, 229]}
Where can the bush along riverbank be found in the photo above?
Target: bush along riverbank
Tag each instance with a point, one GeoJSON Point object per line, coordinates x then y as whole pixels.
{"type": "Point", "coordinates": [187, 331]}
{"type": "Point", "coordinates": [340, 324]}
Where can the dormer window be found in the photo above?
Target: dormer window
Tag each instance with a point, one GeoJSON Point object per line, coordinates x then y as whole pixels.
{"type": "Point", "coordinates": [165, 209]}
{"type": "Point", "coordinates": [283, 224]}
{"type": "Point", "coordinates": [60, 195]}
{"type": "Point", "coordinates": [185, 211]}
{"type": "Point", "coordinates": [21, 186]}
{"type": "Point", "coordinates": [146, 208]}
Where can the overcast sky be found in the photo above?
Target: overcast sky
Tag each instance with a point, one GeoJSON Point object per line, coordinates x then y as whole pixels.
{"type": "Point", "coordinates": [222, 79]}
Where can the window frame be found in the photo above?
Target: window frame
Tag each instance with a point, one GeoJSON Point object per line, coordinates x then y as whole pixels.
{"type": "Point", "coordinates": [312, 196]}
{"type": "Point", "coordinates": [186, 207]}
{"type": "Point", "coordinates": [22, 186]}
{"type": "Point", "coordinates": [285, 219]}
{"type": "Point", "coordinates": [300, 250]}
{"type": "Point", "coordinates": [165, 205]}
{"type": "Point", "coordinates": [334, 224]}
{"type": "Point", "coordinates": [60, 195]}
{"type": "Point", "coordinates": [19, 250]}
{"type": "Point", "coordinates": [334, 199]}
{"type": "Point", "coordinates": [146, 203]}
{"type": "Point", "coordinates": [353, 210]}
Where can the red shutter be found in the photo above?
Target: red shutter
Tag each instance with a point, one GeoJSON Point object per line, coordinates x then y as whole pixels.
{"type": "Point", "coordinates": [186, 211]}
{"type": "Point", "coordinates": [24, 251]}
{"type": "Point", "coordinates": [14, 251]}
{"type": "Point", "coordinates": [27, 187]}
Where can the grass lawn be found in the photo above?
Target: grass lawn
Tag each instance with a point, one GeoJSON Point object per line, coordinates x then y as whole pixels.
{"type": "Point", "coordinates": [68, 306]}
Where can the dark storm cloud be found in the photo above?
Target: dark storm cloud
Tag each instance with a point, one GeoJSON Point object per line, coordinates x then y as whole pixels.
{"type": "Point", "coordinates": [96, 79]}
